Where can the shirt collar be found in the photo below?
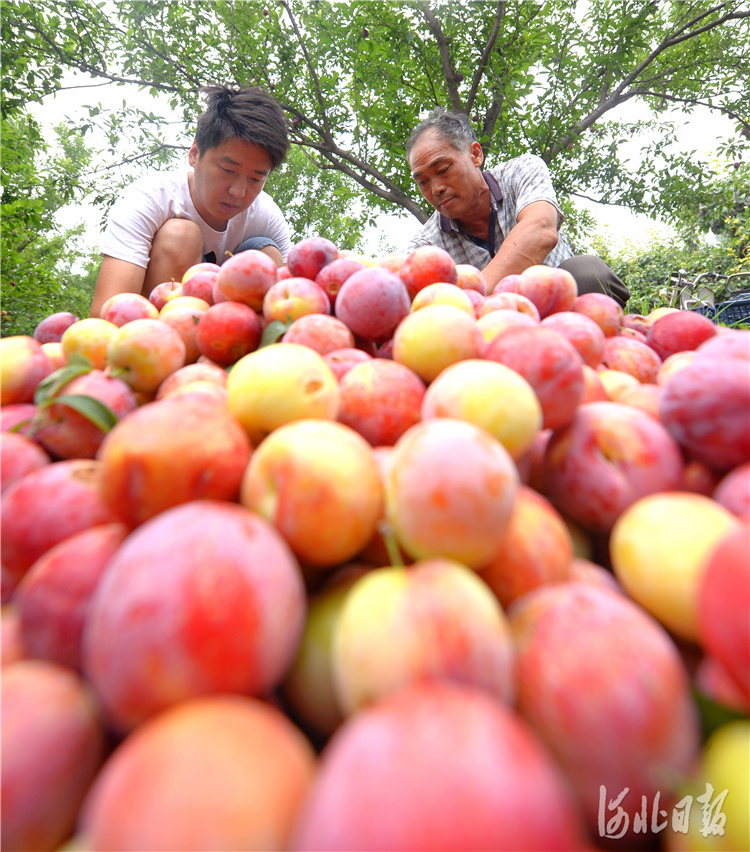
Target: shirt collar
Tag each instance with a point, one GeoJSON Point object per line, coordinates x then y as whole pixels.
{"type": "Point", "coordinates": [496, 196]}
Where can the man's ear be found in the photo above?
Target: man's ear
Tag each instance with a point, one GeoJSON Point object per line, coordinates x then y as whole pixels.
{"type": "Point", "coordinates": [193, 154]}
{"type": "Point", "coordinates": [477, 154]}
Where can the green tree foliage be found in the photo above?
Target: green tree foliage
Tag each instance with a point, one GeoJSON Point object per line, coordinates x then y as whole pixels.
{"type": "Point", "coordinates": [355, 77]}
{"type": "Point", "coordinates": [319, 201]}
{"type": "Point", "coordinates": [38, 254]}
{"type": "Point", "coordinates": [723, 209]}
{"type": "Point", "coordinates": [648, 267]}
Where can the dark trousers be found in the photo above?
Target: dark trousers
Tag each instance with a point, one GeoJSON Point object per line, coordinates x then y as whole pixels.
{"type": "Point", "coordinates": [250, 243]}
{"type": "Point", "coordinates": [592, 275]}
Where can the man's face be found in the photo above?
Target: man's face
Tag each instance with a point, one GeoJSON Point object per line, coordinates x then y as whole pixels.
{"type": "Point", "coordinates": [449, 179]}
{"type": "Point", "coordinates": [226, 179]}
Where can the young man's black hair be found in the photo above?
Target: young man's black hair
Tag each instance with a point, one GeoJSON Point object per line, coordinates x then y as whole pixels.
{"type": "Point", "coordinates": [250, 114]}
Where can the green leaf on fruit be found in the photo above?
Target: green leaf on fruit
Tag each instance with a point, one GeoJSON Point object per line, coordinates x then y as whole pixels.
{"type": "Point", "coordinates": [273, 331]}
{"type": "Point", "coordinates": [92, 409]}
{"type": "Point", "coordinates": [50, 386]}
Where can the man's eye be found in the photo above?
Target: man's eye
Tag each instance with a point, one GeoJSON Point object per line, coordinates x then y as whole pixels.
{"type": "Point", "coordinates": [227, 171]}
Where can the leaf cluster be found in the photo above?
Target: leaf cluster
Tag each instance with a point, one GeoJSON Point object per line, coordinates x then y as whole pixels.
{"type": "Point", "coordinates": [50, 391]}
{"type": "Point", "coordinates": [648, 268]}
{"type": "Point", "coordinates": [38, 253]}
{"type": "Point", "coordinates": [546, 77]}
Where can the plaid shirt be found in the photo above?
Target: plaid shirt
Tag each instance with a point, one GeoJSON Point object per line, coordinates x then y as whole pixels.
{"type": "Point", "coordinates": [513, 185]}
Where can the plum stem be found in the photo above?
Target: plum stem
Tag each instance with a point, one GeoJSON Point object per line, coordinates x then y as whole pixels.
{"type": "Point", "coordinates": [391, 544]}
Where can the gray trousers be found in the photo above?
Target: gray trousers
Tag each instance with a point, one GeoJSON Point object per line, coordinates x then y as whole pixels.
{"type": "Point", "coordinates": [594, 276]}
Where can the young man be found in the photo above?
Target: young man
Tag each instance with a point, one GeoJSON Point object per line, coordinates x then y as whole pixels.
{"type": "Point", "coordinates": [502, 220]}
{"type": "Point", "coordinates": [165, 222]}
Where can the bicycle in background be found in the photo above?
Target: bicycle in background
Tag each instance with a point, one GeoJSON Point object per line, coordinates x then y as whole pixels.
{"type": "Point", "coordinates": [699, 293]}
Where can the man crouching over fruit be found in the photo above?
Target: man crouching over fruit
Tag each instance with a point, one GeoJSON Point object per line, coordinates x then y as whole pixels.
{"type": "Point", "coordinates": [502, 220]}
{"type": "Point", "coordinates": [165, 222]}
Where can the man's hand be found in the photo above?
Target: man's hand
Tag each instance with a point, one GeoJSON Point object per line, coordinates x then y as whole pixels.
{"type": "Point", "coordinates": [116, 276]}
{"type": "Point", "coordinates": [527, 244]}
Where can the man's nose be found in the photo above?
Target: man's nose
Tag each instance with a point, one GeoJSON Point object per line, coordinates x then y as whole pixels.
{"type": "Point", "coordinates": [238, 188]}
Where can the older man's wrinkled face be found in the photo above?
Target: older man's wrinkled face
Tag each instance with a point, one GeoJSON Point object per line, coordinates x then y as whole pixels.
{"type": "Point", "coordinates": [451, 180]}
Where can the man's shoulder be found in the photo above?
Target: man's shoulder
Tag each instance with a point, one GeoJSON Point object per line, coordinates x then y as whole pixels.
{"type": "Point", "coordinates": [155, 181]}
{"type": "Point", "coordinates": [264, 205]}
{"type": "Point", "coordinates": [156, 191]}
{"type": "Point", "coordinates": [431, 227]}
{"type": "Point", "coordinates": [523, 164]}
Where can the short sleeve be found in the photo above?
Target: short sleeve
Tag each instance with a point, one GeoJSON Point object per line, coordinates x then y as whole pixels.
{"type": "Point", "coordinates": [279, 231]}
{"type": "Point", "coordinates": [133, 222]}
{"type": "Point", "coordinates": [530, 181]}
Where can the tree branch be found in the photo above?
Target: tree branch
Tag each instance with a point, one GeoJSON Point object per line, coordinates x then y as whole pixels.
{"type": "Point", "coordinates": [149, 47]}
{"type": "Point", "coordinates": [393, 194]}
{"type": "Point", "coordinates": [136, 157]}
{"type": "Point", "coordinates": [82, 86]}
{"type": "Point", "coordinates": [82, 65]}
{"type": "Point", "coordinates": [683, 36]}
{"type": "Point", "coordinates": [84, 25]}
{"type": "Point", "coordinates": [326, 130]}
{"type": "Point", "coordinates": [495, 109]}
{"type": "Point", "coordinates": [445, 55]}
{"type": "Point", "coordinates": [595, 200]}
{"type": "Point", "coordinates": [693, 101]}
{"type": "Point", "coordinates": [335, 154]}
{"type": "Point", "coordinates": [490, 119]}
{"type": "Point", "coordinates": [485, 57]}
{"type": "Point", "coordinates": [620, 94]}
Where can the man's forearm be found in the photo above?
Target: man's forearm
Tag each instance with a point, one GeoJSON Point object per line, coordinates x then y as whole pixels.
{"type": "Point", "coordinates": [525, 246]}
{"type": "Point", "coordinates": [518, 251]}
{"type": "Point", "coordinates": [115, 276]}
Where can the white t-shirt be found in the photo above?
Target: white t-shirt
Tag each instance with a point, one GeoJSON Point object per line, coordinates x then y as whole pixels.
{"type": "Point", "coordinates": [146, 204]}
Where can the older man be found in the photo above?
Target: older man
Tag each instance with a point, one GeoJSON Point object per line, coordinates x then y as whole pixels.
{"type": "Point", "coordinates": [502, 220]}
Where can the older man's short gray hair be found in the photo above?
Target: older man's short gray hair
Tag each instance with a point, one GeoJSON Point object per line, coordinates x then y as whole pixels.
{"type": "Point", "coordinates": [454, 127]}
